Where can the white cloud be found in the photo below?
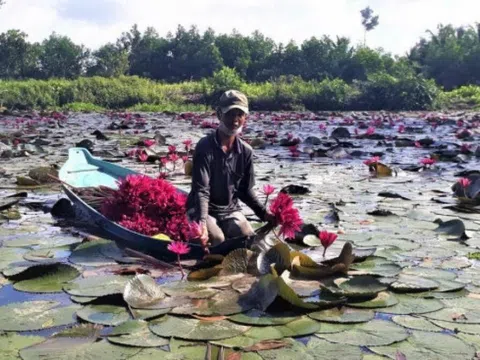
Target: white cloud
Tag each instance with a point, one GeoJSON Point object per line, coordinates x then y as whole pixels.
{"type": "Point", "coordinates": [95, 22]}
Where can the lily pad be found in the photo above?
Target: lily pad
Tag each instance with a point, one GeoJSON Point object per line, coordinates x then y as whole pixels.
{"type": "Point", "coordinates": [35, 315]}
{"type": "Point", "coordinates": [77, 348]}
{"type": "Point", "coordinates": [428, 345]}
{"type": "Point", "coordinates": [455, 227]}
{"type": "Point", "coordinates": [46, 255]}
{"type": "Point", "coordinates": [110, 315]}
{"type": "Point", "coordinates": [90, 254]}
{"type": "Point", "coordinates": [377, 266]}
{"type": "Point", "coordinates": [145, 314]}
{"type": "Point", "coordinates": [97, 285]}
{"type": "Point", "coordinates": [382, 300]}
{"type": "Point", "coordinates": [142, 291]}
{"type": "Point", "coordinates": [9, 256]}
{"type": "Point", "coordinates": [260, 318]}
{"type": "Point", "coordinates": [278, 255]}
{"type": "Point", "coordinates": [373, 333]}
{"type": "Point", "coordinates": [287, 293]}
{"type": "Point", "coordinates": [343, 315]}
{"type": "Point", "coordinates": [46, 278]}
{"type": "Point", "coordinates": [358, 287]}
{"type": "Point", "coordinates": [431, 273]}
{"type": "Point", "coordinates": [415, 323]}
{"type": "Point", "coordinates": [464, 310]}
{"type": "Point", "coordinates": [193, 329]}
{"type": "Point", "coordinates": [262, 293]}
{"type": "Point", "coordinates": [236, 262]}
{"type": "Point", "coordinates": [473, 329]}
{"type": "Point", "coordinates": [409, 305]}
{"type": "Point", "coordinates": [411, 283]}
{"type": "Point", "coordinates": [11, 344]}
{"type": "Point", "coordinates": [83, 299]}
{"type": "Point", "coordinates": [136, 333]}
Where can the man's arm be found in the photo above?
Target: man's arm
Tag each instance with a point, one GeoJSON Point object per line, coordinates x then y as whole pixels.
{"type": "Point", "coordinates": [246, 192]}
{"type": "Point", "coordinates": [201, 183]}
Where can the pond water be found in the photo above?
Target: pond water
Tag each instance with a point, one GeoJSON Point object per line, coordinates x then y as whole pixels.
{"type": "Point", "coordinates": [416, 292]}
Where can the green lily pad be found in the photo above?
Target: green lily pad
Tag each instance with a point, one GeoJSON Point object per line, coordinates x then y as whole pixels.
{"type": "Point", "coordinates": [415, 323]}
{"type": "Point", "coordinates": [45, 255]}
{"type": "Point", "coordinates": [43, 243]}
{"type": "Point", "coordinates": [90, 254]}
{"type": "Point", "coordinates": [260, 318]}
{"type": "Point", "coordinates": [460, 310]}
{"type": "Point", "coordinates": [373, 333]}
{"type": "Point", "coordinates": [142, 291]}
{"type": "Point", "coordinates": [358, 287]}
{"type": "Point", "coordinates": [316, 349]}
{"type": "Point", "coordinates": [46, 278]}
{"type": "Point", "coordinates": [278, 255]}
{"type": "Point", "coordinates": [110, 315]}
{"type": "Point", "coordinates": [145, 314]}
{"type": "Point", "coordinates": [9, 256]}
{"type": "Point", "coordinates": [11, 344]}
{"type": "Point", "coordinates": [455, 228]}
{"type": "Point", "coordinates": [83, 299]}
{"type": "Point", "coordinates": [428, 345]}
{"type": "Point", "coordinates": [262, 293]}
{"type": "Point", "coordinates": [440, 295]}
{"type": "Point", "coordinates": [382, 300]}
{"type": "Point", "coordinates": [236, 262]}
{"type": "Point", "coordinates": [377, 266]}
{"type": "Point", "coordinates": [192, 290]}
{"type": "Point", "coordinates": [287, 293]}
{"type": "Point", "coordinates": [332, 328]}
{"type": "Point", "coordinates": [77, 348]}
{"type": "Point", "coordinates": [409, 305]}
{"type": "Point", "coordinates": [136, 333]}
{"type": "Point", "coordinates": [456, 263]}
{"type": "Point", "coordinates": [81, 331]}
{"type": "Point", "coordinates": [97, 285]}
{"type": "Point", "coordinates": [35, 315]}
{"type": "Point", "coordinates": [473, 340]}
{"type": "Point", "coordinates": [429, 273]}
{"type": "Point", "coordinates": [343, 315]}
{"type": "Point", "coordinates": [473, 329]}
{"type": "Point", "coordinates": [193, 329]}
{"type": "Point", "coordinates": [411, 283]}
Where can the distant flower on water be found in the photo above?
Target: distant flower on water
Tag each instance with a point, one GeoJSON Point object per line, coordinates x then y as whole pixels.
{"type": "Point", "coordinates": [143, 157]}
{"type": "Point", "coordinates": [370, 131]}
{"type": "Point", "coordinates": [185, 158]}
{"type": "Point", "coordinates": [401, 128]}
{"type": "Point", "coordinates": [372, 161]}
{"type": "Point", "coordinates": [322, 127]}
{"type": "Point", "coordinates": [188, 144]}
{"type": "Point", "coordinates": [173, 157]}
{"type": "Point", "coordinates": [327, 239]}
{"type": "Point", "coordinates": [418, 145]}
{"type": "Point", "coordinates": [148, 142]}
{"type": "Point", "coordinates": [464, 182]}
{"type": "Point", "coordinates": [172, 149]}
{"type": "Point", "coordinates": [427, 161]}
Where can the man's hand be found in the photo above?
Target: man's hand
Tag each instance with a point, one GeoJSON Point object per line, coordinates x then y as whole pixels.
{"type": "Point", "coordinates": [204, 234]}
{"type": "Point", "coordinates": [270, 218]}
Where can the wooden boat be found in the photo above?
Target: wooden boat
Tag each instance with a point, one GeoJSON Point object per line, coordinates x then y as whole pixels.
{"type": "Point", "coordinates": [83, 170]}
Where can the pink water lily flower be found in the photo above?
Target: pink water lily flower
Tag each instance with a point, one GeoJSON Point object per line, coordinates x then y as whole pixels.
{"type": "Point", "coordinates": [172, 149]}
{"type": "Point", "coordinates": [464, 182]}
{"type": "Point", "coordinates": [179, 248]}
{"type": "Point", "coordinates": [188, 144]}
{"type": "Point", "coordinates": [327, 239]}
{"type": "Point", "coordinates": [370, 131]}
{"type": "Point", "coordinates": [372, 161]}
{"type": "Point", "coordinates": [401, 128]}
{"type": "Point", "coordinates": [148, 142]}
{"type": "Point", "coordinates": [427, 161]}
{"type": "Point", "coordinates": [268, 189]}
{"type": "Point", "coordinates": [143, 157]}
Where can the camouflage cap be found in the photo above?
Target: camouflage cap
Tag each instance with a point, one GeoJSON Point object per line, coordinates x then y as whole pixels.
{"type": "Point", "coordinates": [233, 99]}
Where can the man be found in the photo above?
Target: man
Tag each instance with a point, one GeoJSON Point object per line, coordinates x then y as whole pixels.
{"type": "Point", "coordinates": [223, 174]}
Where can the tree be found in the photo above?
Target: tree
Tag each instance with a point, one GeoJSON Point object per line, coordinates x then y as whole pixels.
{"type": "Point", "coordinates": [109, 61]}
{"type": "Point", "coordinates": [369, 22]}
{"type": "Point", "coordinates": [62, 58]}
{"type": "Point", "coordinates": [13, 54]}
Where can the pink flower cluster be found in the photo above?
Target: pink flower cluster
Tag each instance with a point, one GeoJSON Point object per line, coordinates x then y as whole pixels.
{"type": "Point", "coordinates": [149, 206]}
{"type": "Point", "coordinates": [286, 215]}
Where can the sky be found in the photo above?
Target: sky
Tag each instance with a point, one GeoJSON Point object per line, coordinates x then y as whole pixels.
{"type": "Point", "coordinates": [97, 22]}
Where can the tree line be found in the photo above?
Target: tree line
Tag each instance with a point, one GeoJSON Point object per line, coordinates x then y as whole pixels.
{"type": "Point", "coordinates": [449, 55]}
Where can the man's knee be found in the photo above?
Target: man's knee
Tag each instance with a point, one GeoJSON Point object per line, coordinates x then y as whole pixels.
{"type": "Point", "coordinates": [215, 233]}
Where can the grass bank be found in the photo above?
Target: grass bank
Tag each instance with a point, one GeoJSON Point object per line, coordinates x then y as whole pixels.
{"type": "Point", "coordinates": [379, 92]}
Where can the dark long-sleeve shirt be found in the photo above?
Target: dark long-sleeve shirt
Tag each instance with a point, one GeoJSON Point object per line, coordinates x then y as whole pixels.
{"type": "Point", "coordinates": [219, 180]}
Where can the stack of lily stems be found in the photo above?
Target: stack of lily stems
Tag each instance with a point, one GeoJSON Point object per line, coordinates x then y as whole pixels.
{"type": "Point", "coordinates": [94, 196]}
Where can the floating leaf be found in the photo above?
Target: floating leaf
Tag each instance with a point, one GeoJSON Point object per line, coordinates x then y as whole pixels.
{"type": "Point", "coordinates": [192, 329]}
{"type": "Point", "coordinates": [46, 278]}
{"type": "Point", "coordinates": [236, 262]}
{"type": "Point", "coordinates": [46, 255]}
{"type": "Point", "coordinates": [262, 293]}
{"type": "Point", "coordinates": [410, 305]}
{"type": "Point", "coordinates": [35, 315]}
{"type": "Point", "coordinates": [278, 255]}
{"type": "Point", "coordinates": [110, 315]}
{"type": "Point", "coordinates": [411, 283]}
{"type": "Point", "coordinates": [204, 274]}
{"type": "Point", "coordinates": [97, 285]}
{"type": "Point", "coordinates": [377, 266]}
{"type": "Point", "coordinates": [456, 263]}
{"type": "Point", "coordinates": [436, 274]}
{"type": "Point", "coordinates": [415, 323]}
{"type": "Point", "coordinates": [81, 330]}
{"type": "Point", "coordinates": [135, 333]}
{"type": "Point", "coordinates": [464, 328]}
{"type": "Point", "coordinates": [373, 333]}
{"type": "Point", "coordinates": [260, 318]}
{"type": "Point", "coordinates": [142, 291]}
{"type": "Point", "coordinates": [358, 287]}
{"type": "Point", "coordinates": [90, 254]}
{"type": "Point", "coordinates": [303, 259]}
{"type": "Point", "coordinates": [343, 315]}
{"type": "Point", "coordinates": [145, 314]}
{"type": "Point", "coordinates": [11, 344]}
{"type": "Point", "coordinates": [464, 310]}
{"type": "Point", "coordinates": [286, 293]}
{"type": "Point", "coordinates": [382, 300]}
{"type": "Point", "coordinates": [77, 348]}
{"type": "Point", "coordinates": [9, 256]}
{"type": "Point", "coordinates": [428, 345]}
{"type": "Point", "coordinates": [83, 299]}
{"type": "Point", "coordinates": [453, 227]}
